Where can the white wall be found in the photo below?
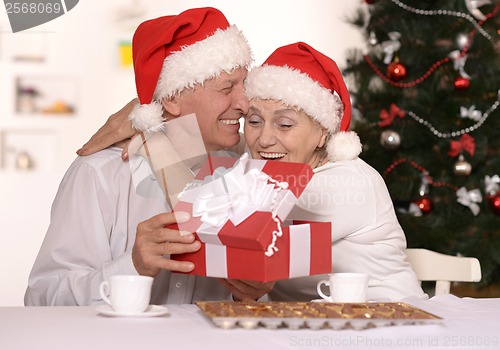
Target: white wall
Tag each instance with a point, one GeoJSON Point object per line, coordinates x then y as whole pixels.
{"type": "Point", "coordinates": [81, 45]}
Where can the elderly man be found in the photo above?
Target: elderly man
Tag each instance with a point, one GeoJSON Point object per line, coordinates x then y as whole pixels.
{"type": "Point", "coordinates": [194, 62]}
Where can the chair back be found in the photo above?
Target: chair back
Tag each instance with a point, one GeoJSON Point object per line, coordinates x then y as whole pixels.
{"type": "Point", "coordinates": [444, 269]}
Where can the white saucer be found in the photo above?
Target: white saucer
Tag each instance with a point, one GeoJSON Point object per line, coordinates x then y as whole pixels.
{"type": "Point", "coordinates": [151, 311]}
{"type": "Point", "coordinates": [350, 302]}
{"type": "Point", "coordinates": [321, 300]}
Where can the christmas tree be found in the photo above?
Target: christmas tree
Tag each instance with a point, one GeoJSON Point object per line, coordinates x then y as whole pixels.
{"type": "Point", "coordinates": [426, 92]}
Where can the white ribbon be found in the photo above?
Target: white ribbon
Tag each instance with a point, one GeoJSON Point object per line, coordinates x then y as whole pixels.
{"type": "Point", "coordinates": [470, 113]}
{"type": "Point", "coordinates": [491, 184]}
{"type": "Point", "coordinates": [459, 63]}
{"type": "Point", "coordinates": [216, 260]}
{"type": "Point", "coordinates": [470, 199]}
{"type": "Point", "coordinates": [300, 250]}
{"type": "Point", "coordinates": [473, 8]}
{"type": "Point", "coordinates": [391, 46]}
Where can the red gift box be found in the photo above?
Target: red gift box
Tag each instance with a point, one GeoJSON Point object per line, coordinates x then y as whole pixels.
{"type": "Point", "coordinates": [258, 247]}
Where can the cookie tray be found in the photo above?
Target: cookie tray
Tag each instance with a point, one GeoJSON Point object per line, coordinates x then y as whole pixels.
{"type": "Point", "coordinates": [297, 315]}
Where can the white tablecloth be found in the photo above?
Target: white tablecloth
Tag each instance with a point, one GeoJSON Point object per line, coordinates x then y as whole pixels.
{"type": "Point", "coordinates": [468, 324]}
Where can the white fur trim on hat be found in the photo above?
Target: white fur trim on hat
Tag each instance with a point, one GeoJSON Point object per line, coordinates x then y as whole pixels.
{"type": "Point", "coordinates": [223, 51]}
{"type": "Point", "coordinates": [295, 88]}
{"type": "Point", "coordinates": [343, 145]}
{"type": "Point", "coordinates": [147, 117]}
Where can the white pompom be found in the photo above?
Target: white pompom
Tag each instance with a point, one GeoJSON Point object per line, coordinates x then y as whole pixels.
{"type": "Point", "coordinates": [344, 145]}
{"type": "Point", "coordinates": [147, 117]}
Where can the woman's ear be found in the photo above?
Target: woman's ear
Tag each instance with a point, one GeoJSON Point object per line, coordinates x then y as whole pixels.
{"type": "Point", "coordinates": [172, 105]}
{"type": "Point", "coordinates": [323, 138]}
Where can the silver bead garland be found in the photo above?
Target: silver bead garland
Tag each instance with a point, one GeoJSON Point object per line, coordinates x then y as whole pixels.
{"type": "Point", "coordinates": [444, 13]}
{"type": "Point", "coordinates": [458, 132]}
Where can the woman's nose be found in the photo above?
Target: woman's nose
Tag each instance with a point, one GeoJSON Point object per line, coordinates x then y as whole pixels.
{"type": "Point", "coordinates": [267, 136]}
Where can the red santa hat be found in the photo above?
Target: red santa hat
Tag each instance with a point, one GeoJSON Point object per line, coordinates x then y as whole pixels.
{"type": "Point", "coordinates": [300, 76]}
{"type": "Point", "coordinates": [172, 53]}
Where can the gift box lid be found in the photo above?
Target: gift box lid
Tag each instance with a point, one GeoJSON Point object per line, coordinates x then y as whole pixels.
{"type": "Point", "coordinates": [297, 175]}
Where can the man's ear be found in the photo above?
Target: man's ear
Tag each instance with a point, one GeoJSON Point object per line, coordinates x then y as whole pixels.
{"type": "Point", "coordinates": [172, 105]}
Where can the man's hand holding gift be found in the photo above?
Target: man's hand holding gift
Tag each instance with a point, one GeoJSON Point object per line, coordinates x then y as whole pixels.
{"type": "Point", "coordinates": [154, 241]}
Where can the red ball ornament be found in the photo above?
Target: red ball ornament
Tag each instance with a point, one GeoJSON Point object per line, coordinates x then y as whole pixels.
{"type": "Point", "coordinates": [396, 71]}
{"type": "Point", "coordinates": [370, 2]}
{"type": "Point", "coordinates": [461, 83]}
{"type": "Point", "coordinates": [494, 200]}
{"type": "Point", "coordinates": [424, 204]}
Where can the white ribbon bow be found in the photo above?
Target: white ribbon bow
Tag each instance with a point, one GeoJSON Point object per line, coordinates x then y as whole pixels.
{"type": "Point", "coordinates": [391, 46]}
{"type": "Point", "coordinates": [414, 210]}
{"type": "Point", "coordinates": [491, 184]}
{"type": "Point", "coordinates": [459, 63]}
{"type": "Point", "coordinates": [470, 199]}
{"type": "Point", "coordinates": [473, 8]}
{"type": "Point", "coordinates": [471, 113]}
{"type": "Point", "coordinates": [235, 194]}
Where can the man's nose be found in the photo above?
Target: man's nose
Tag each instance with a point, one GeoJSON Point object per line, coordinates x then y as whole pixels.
{"type": "Point", "coordinates": [240, 100]}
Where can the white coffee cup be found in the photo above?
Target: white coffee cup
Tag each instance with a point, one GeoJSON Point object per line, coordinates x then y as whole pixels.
{"type": "Point", "coordinates": [127, 294]}
{"type": "Point", "coordinates": [345, 287]}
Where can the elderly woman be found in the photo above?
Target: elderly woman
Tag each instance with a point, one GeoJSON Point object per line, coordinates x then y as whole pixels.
{"type": "Point", "coordinates": [299, 112]}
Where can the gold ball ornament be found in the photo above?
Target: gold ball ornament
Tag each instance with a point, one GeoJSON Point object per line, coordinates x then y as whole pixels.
{"type": "Point", "coordinates": [462, 167]}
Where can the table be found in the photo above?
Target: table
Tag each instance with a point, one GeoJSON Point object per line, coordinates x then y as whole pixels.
{"type": "Point", "coordinates": [468, 324]}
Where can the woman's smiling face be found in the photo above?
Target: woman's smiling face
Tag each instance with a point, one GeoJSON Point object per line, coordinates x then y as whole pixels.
{"type": "Point", "coordinates": [275, 131]}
